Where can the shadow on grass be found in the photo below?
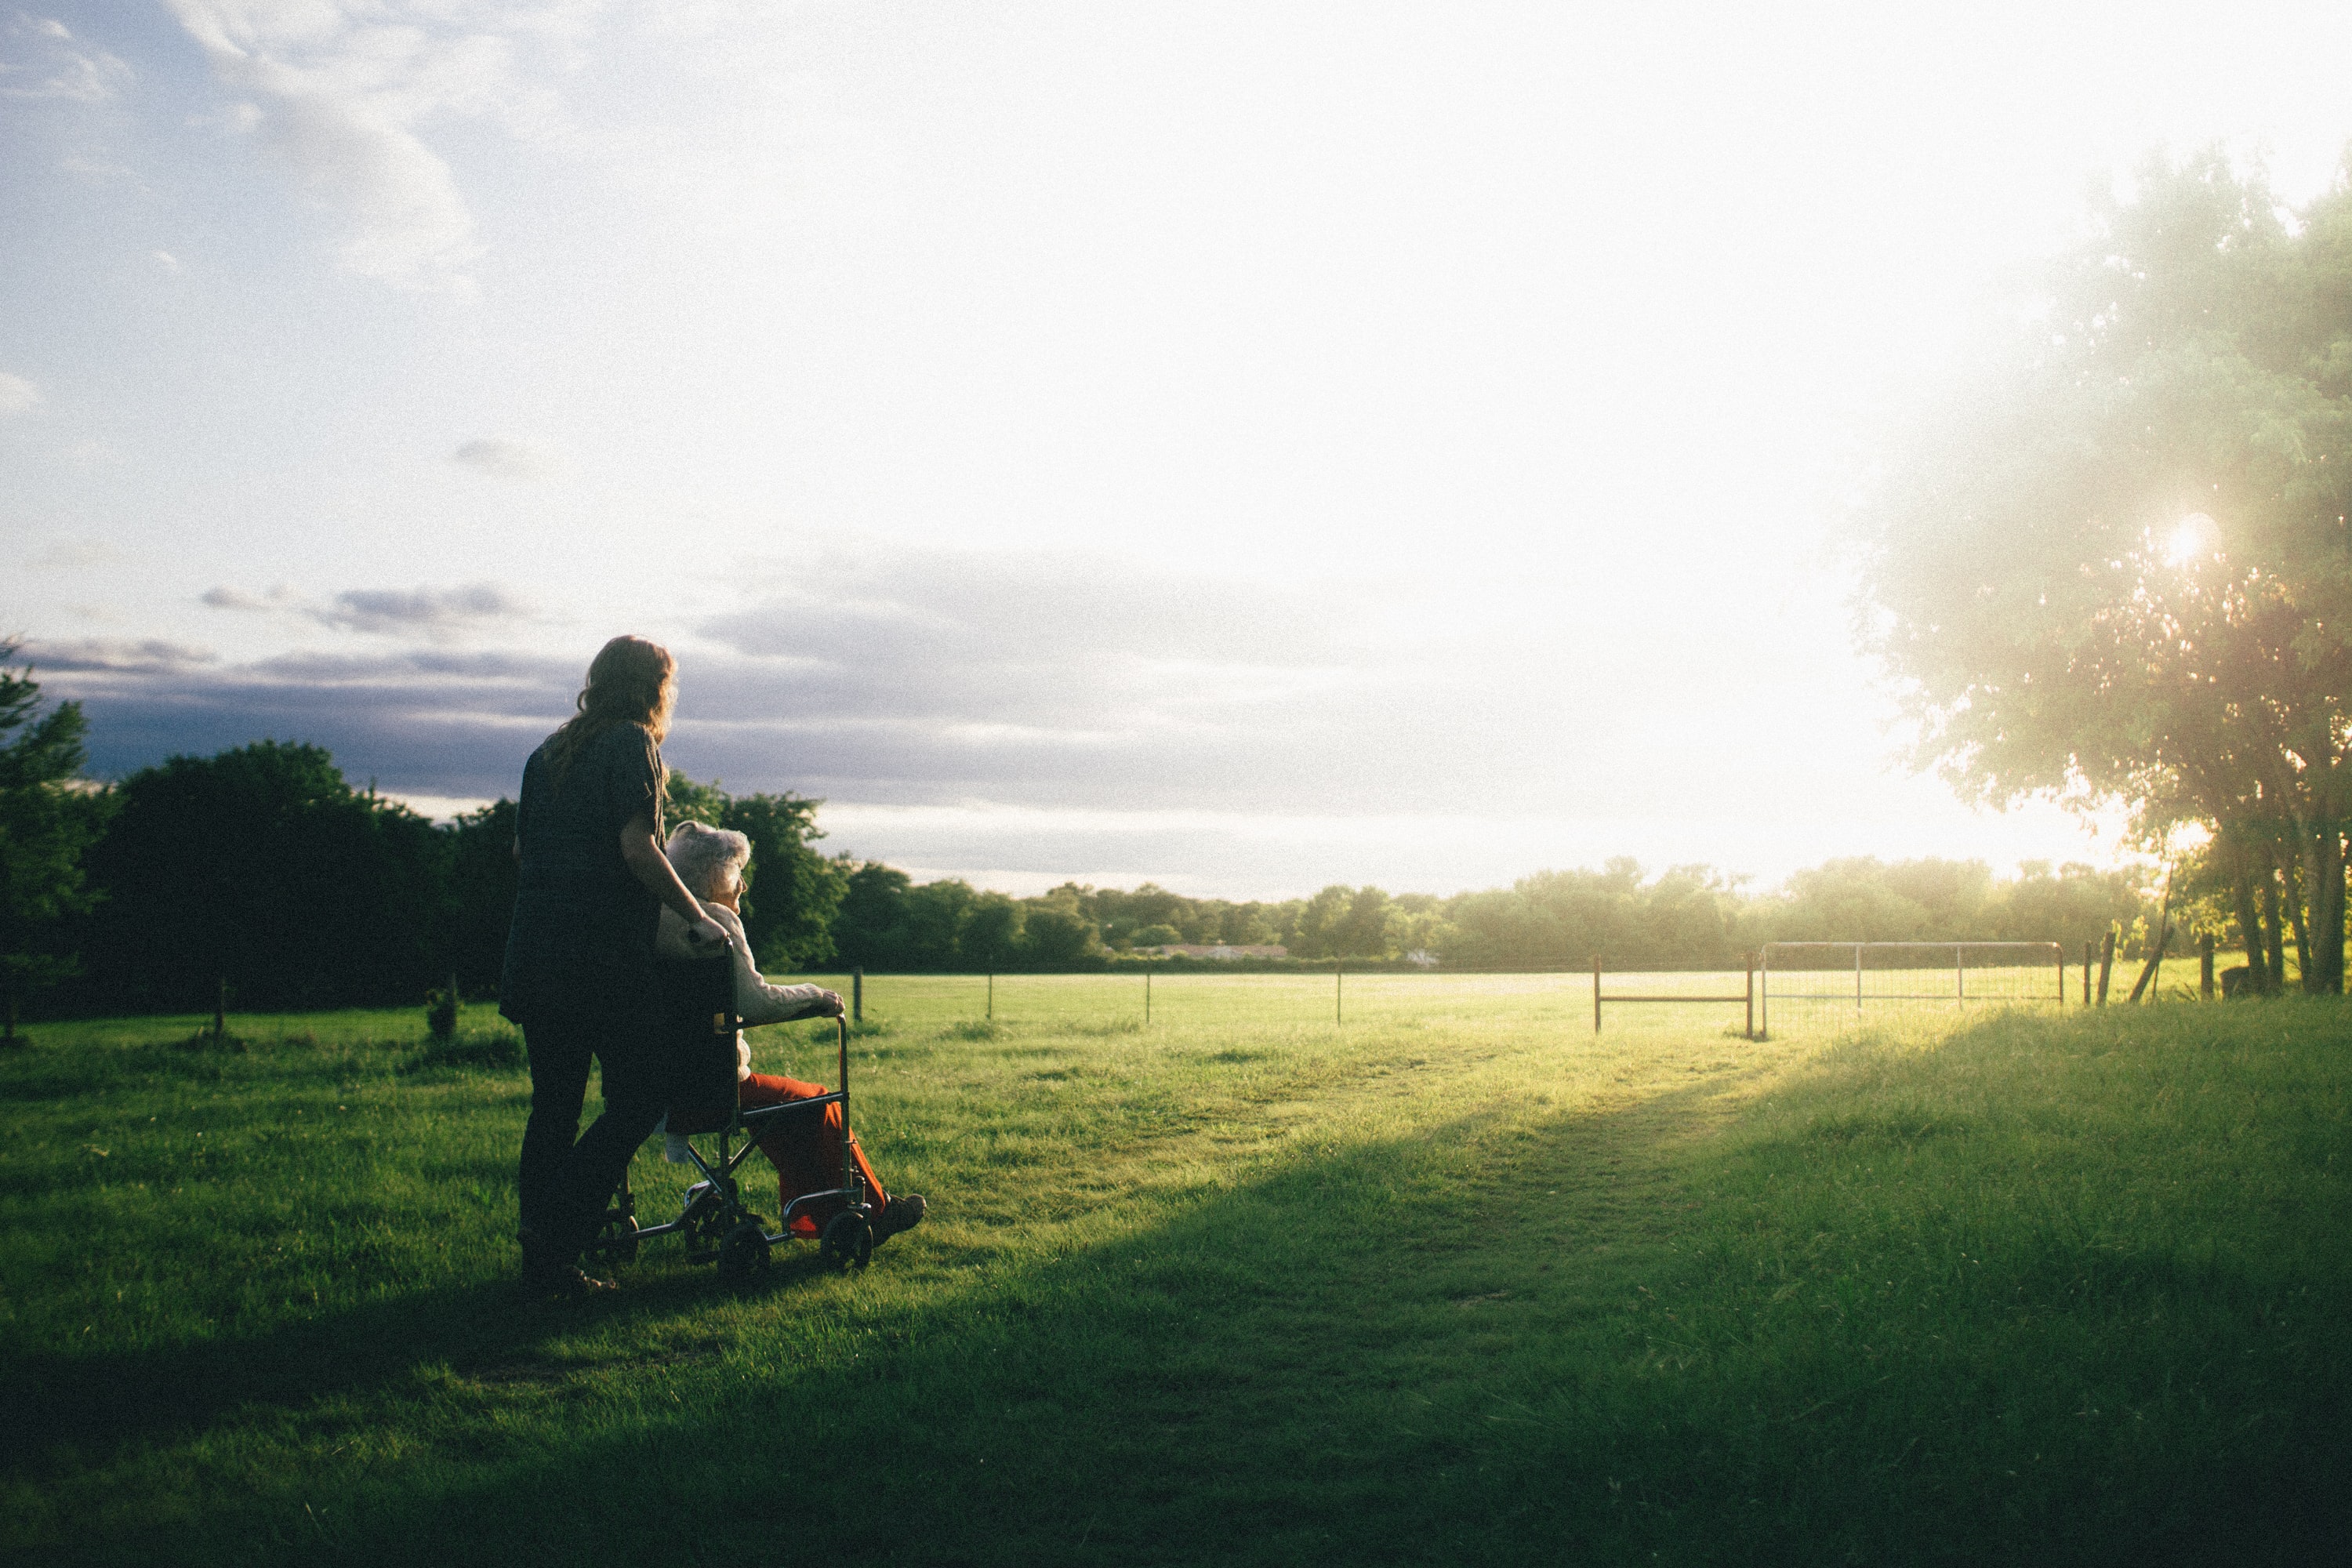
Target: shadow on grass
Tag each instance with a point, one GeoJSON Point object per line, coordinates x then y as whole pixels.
{"type": "Point", "coordinates": [1565, 1348]}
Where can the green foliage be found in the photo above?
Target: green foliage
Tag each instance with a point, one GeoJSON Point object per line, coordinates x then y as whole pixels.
{"type": "Point", "coordinates": [1236, 1290]}
{"type": "Point", "coordinates": [48, 822]}
{"type": "Point", "coordinates": [2114, 565]}
{"type": "Point", "coordinates": [263, 867]}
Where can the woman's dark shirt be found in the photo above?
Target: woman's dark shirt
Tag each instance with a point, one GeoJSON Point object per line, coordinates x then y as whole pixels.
{"type": "Point", "coordinates": [583, 935]}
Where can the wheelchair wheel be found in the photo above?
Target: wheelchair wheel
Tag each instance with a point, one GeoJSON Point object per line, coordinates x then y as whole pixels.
{"type": "Point", "coordinates": [616, 1240]}
{"type": "Point", "coordinates": [847, 1240]}
{"type": "Point", "coordinates": [744, 1254]}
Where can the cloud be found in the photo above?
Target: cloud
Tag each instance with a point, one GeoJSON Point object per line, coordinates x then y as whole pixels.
{"type": "Point", "coordinates": [18, 396]}
{"type": "Point", "coordinates": [118, 656]}
{"type": "Point", "coordinates": [167, 261]}
{"type": "Point", "coordinates": [503, 459]}
{"type": "Point", "coordinates": [342, 93]}
{"type": "Point", "coordinates": [73, 555]}
{"type": "Point", "coordinates": [427, 612]}
{"type": "Point", "coordinates": [62, 67]}
{"type": "Point", "coordinates": [433, 614]}
{"type": "Point", "coordinates": [224, 598]}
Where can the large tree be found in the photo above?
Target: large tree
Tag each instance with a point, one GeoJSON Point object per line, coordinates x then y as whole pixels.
{"type": "Point", "coordinates": [47, 819]}
{"type": "Point", "coordinates": [2114, 562]}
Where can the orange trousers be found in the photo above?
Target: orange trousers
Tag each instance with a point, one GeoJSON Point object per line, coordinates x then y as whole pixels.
{"type": "Point", "coordinates": [806, 1150]}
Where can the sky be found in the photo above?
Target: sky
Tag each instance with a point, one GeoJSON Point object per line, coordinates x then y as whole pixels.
{"type": "Point", "coordinates": [1244, 447]}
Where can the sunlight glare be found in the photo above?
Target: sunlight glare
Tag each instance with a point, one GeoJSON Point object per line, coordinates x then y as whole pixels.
{"type": "Point", "coordinates": [2194, 538]}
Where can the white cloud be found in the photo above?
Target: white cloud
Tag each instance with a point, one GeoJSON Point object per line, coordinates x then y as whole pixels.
{"type": "Point", "coordinates": [16, 395]}
{"type": "Point", "coordinates": [167, 261]}
{"type": "Point", "coordinates": [61, 67]}
{"type": "Point", "coordinates": [502, 459]}
{"type": "Point", "coordinates": [342, 92]}
{"type": "Point", "coordinates": [71, 554]}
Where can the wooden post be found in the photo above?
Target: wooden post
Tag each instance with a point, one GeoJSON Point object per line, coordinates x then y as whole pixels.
{"type": "Point", "coordinates": [2106, 964]}
{"type": "Point", "coordinates": [857, 995]}
{"type": "Point", "coordinates": [2086, 974]}
{"type": "Point", "coordinates": [2062, 974]}
{"type": "Point", "coordinates": [220, 1010]}
{"type": "Point", "coordinates": [1596, 993]}
{"type": "Point", "coordinates": [991, 994]}
{"type": "Point", "coordinates": [2205, 966]}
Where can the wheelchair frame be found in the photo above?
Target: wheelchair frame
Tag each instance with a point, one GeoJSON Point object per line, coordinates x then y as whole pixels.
{"type": "Point", "coordinates": [717, 1224]}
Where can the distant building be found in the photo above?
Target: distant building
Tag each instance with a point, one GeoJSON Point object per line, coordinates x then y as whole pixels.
{"type": "Point", "coordinates": [1195, 950]}
{"type": "Point", "coordinates": [1421, 958]}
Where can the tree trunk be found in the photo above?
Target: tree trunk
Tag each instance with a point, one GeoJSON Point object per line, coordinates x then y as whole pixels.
{"type": "Point", "coordinates": [2273, 932]}
{"type": "Point", "coordinates": [2323, 882]}
{"type": "Point", "coordinates": [2250, 923]}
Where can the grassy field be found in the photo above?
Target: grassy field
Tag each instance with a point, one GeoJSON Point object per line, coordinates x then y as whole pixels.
{"type": "Point", "coordinates": [1457, 1281]}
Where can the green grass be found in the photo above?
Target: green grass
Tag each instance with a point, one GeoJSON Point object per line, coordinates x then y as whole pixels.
{"type": "Point", "coordinates": [1459, 1281]}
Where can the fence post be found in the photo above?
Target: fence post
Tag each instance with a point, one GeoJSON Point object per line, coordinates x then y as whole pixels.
{"type": "Point", "coordinates": [1596, 993]}
{"type": "Point", "coordinates": [2106, 964]}
{"type": "Point", "coordinates": [220, 1011]}
{"type": "Point", "coordinates": [2086, 974]}
{"type": "Point", "coordinates": [1750, 959]}
{"type": "Point", "coordinates": [991, 994]}
{"type": "Point", "coordinates": [857, 995]}
{"type": "Point", "coordinates": [2205, 966]}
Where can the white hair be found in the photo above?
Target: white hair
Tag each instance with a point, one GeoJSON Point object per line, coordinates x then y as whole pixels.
{"type": "Point", "coordinates": [703, 857]}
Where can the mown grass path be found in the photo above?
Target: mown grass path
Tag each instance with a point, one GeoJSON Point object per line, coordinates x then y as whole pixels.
{"type": "Point", "coordinates": [1456, 1283]}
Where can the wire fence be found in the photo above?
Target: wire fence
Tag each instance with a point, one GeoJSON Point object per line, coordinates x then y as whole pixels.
{"type": "Point", "coordinates": [1826, 985]}
{"type": "Point", "coordinates": [1806, 982]}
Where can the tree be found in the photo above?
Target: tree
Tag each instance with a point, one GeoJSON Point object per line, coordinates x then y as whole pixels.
{"type": "Point", "coordinates": [2115, 563]}
{"type": "Point", "coordinates": [46, 823]}
{"type": "Point", "coordinates": [262, 868]}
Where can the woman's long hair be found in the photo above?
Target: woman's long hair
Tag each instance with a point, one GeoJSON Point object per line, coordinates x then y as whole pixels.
{"type": "Point", "coordinates": [631, 681]}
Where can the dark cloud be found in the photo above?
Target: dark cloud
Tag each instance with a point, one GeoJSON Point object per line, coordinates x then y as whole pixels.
{"type": "Point", "coordinates": [940, 681]}
{"type": "Point", "coordinates": [92, 654]}
{"type": "Point", "coordinates": [426, 611]}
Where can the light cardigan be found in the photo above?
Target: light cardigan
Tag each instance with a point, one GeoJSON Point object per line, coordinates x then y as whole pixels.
{"type": "Point", "coordinates": [755, 1000]}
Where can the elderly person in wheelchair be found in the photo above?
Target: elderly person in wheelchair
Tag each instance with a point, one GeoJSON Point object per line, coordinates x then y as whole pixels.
{"type": "Point", "coordinates": [807, 1155]}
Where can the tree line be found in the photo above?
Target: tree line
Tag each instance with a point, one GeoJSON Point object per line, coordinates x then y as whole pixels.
{"type": "Point", "coordinates": [263, 871]}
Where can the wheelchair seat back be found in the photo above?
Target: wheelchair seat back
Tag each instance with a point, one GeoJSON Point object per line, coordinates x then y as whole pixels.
{"type": "Point", "coordinates": [696, 1000]}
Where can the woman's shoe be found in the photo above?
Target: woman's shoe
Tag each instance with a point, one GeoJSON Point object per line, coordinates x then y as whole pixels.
{"type": "Point", "coordinates": [897, 1215]}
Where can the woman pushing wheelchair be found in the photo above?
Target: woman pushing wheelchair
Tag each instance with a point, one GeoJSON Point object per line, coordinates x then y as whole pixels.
{"type": "Point", "coordinates": [593, 887]}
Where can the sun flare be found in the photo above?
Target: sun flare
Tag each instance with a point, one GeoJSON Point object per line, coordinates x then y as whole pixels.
{"type": "Point", "coordinates": [2193, 540]}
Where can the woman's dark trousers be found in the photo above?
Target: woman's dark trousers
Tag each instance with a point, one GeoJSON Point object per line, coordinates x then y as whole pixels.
{"type": "Point", "coordinates": [565, 1183]}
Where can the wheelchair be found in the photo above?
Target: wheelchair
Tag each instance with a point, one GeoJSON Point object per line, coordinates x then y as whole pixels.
{"type": "Point", "coordinates": [697, 1009]}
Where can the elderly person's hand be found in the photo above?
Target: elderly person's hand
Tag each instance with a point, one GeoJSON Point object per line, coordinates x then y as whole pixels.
{"type": "Point", "coordinates": [706, 932]}
{"type": "Point", "coordinates": [831, 1006]}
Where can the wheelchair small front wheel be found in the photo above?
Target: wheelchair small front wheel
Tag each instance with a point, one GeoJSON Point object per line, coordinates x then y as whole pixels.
{"type": "Point", "coordinates": [847, 1240]}
{"type": "Point", "coordinates": [616, 1240]}
{"type": "Point", "coordinates": [744, 1254]}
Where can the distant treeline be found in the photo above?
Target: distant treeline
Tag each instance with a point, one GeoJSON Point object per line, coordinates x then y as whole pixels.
{"type": "Point", "coordinates": [263, 868]}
